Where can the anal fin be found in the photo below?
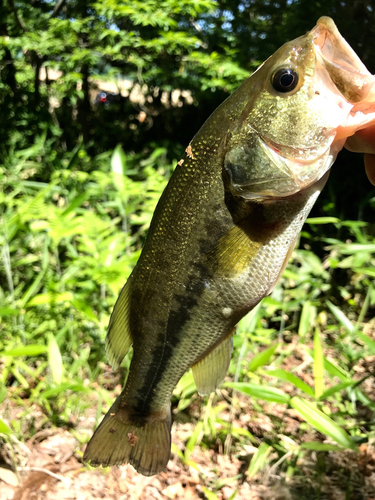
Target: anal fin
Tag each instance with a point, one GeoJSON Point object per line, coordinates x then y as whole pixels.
{"type": "Point", "coordinates": [118, 340]}
{"type": "Point", "coordinates": [210, 371]}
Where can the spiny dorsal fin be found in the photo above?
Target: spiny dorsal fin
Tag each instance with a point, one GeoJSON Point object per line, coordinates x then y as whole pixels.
{"type": "Point", "coordinates": [210, 371]}
{"type": "Point", "coordinates": [118, 340]}
{"type": "Point", "coordinates": [120, 439]}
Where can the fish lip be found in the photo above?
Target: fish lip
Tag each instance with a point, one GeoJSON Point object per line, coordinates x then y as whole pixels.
{"type": "Point", "coordinates": [347, 71]}
{"type": "Point", "coordinates": [303, 155]}
{"type": "Point", "coordinates": [329, 42]}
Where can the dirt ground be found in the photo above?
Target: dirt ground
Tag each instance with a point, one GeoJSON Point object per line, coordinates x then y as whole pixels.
{"type": "Point", "coordinates": [50, 468]}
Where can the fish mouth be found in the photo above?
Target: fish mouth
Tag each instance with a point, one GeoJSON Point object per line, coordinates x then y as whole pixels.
{"type": "Point", "coordinates": [349, 75]}
{"type": "Point", "coordinates": [275, 174]}
{"type": "Point", "coordinates": [345, 68]}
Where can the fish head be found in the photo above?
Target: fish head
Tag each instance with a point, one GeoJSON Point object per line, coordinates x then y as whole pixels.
{"type": "Point", "coordinates": [299, 107]}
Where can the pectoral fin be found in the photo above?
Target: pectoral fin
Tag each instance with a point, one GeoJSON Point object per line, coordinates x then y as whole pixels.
{"type": "Point", "coordinates": [233, 253]}
{"type": "Point", "coordinates": [210, 371]}
{"type": "Point", "coordinates": [118, 340]}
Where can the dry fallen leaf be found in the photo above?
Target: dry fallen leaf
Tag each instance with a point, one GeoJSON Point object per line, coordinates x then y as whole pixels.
{"type": "Point", "coordinates": [8, 477]}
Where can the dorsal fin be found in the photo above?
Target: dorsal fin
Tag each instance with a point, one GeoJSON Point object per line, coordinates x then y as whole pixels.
{"type": "Point", "coordinates": [210, 371]}
{"type": "Point", "coordinates": [118, 340]}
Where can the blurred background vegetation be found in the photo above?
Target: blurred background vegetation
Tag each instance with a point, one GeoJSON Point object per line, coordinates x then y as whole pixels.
{"type": "Point", "coordinates": [80, 177]}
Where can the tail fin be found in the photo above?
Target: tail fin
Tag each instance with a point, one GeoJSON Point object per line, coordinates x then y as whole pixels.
{"type": "Point", "coordinates": [119, 440]}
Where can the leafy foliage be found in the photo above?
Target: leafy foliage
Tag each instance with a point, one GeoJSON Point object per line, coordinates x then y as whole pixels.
{"type": "Point", "coordinates": [67, 247]}
{"type": "Point", "coordinates": [75, 209]}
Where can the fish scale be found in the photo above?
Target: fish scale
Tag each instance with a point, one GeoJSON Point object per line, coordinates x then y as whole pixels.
{"type": "Point", "coordinates": [223, 232]}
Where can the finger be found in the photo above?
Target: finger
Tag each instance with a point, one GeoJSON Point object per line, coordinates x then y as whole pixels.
{"type": "Point", "coordinates": [362, 141]}
{"type": "Point", "coordinates": [370, 167]}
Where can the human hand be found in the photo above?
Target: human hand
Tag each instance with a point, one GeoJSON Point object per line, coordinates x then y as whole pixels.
{"type": "Point", "coordinates": [363, 141]}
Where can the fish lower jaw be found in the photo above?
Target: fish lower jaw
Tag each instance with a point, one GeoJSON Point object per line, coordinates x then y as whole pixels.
{"type": "Point", "coordinates": [296, 176]}
{"type": "Point", "coordinates": [357, 120]}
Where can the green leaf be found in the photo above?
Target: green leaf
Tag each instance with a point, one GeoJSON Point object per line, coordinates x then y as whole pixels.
{"type": "Point", "coordinates": [293, 379]}
{"type": "Point", "coordinates": [195, 437]}
{"type": "Point", "coordinates": [341, 318]}
{"type": "Point", "coordinates": [260, 391]}
{"type": "Point", "coordinates": [26, 350]}
{"type": "Point", "coordinates": [77, 202]}
{"type": "Point", "coordinates": [118, 161]}
{"type": "Point", "coordinates": [318, 365]}
{"type": "Point", "coordinates": [307, 319]}
{"type": "Point", "coordinates": [370, 271]}
{"type": "Point", "coordinates": [62, 388]}
{"type": "Point", "coordinates": [8, 311]}
{"type": "Point", "coordinates": [366, 340]}
{"type": "Point", "coordinates": [336, 388]}
{"type": "Point", "coordinates": [315, 445]}
{"type": "Point", "coordinates": [336, 371]}
{"type": "Point", "coordinates": [4, 428]}
{"type": "Point", "coordinates": [262, 358]}
{"type": "Point", "coordinates": [50, 298]}
{"type": "Point", "coordinates": [355, 248]}
{"type": "Point", "coordinates": [322, 422]}
{"type": "Point", "coordinates": [323, 220]}
{"type": "Point", "coordinates": [259, 459]}
{"type": "Point", "coordinates": [55, 360]}
{"type": "Point", "coordinates": [209, 494]}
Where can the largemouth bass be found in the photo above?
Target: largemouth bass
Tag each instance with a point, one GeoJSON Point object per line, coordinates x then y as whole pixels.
{"type": "Point", "coordinates": [223, 232]}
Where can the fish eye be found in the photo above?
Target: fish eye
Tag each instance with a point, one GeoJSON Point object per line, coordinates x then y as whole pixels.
{"type": "Point", "coordinates": [284, 80]}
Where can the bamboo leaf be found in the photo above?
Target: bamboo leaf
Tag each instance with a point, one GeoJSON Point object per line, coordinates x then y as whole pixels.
{"type": "Point", "coordinates": [262, 358]}
{"type": "Point", "coordinates": [370, 271]}
{"type": "Point", "coordinates": [259, 459]}
{"type": "Point", "coordinates": [307, 319]}
{"type": "Point", "coordinates": [293, 379]}
{"type": "Point", "coordinates": [4, 428]}
{"type": "Point", "coordinates": [323, 220]}
{"type": "Point", "coordinates": [335, 388]}
{"type": "Point", "coordinates": [336, 371]}
{"type": "Point", "coordinates": [260, 391]}
{"type": "Point", "coordinates": [209, 494]}
{"type": "Point", "coordinates": [341, 318]}
{"type": "Point", "coordinates": [55, 360]}
{"type": "Point", "coordinates": [322, 422]}
{"type": "Point", "coordinates": [366, 340]}
{"type": "Point", "coordinates": [26, 350]}
{"type": "Point", "coordinates": [315, 445]}
{"type": "Point", "coordinates": [318, 365]}
{"type": "Point", "coordinates": [195, 437]}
